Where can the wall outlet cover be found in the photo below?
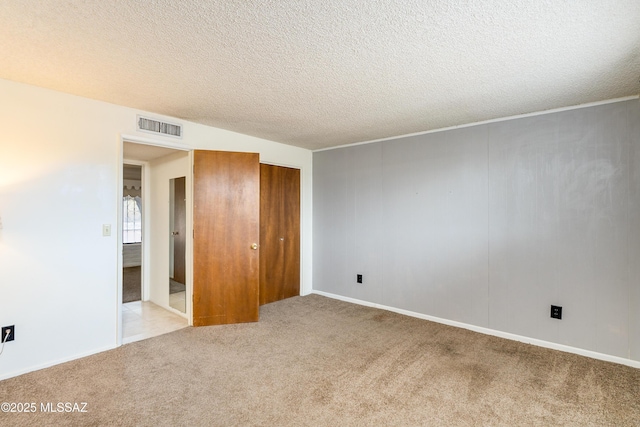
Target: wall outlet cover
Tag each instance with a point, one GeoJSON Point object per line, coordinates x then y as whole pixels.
{"type": "Point", "coordinates": [556, 312]}
{"type": "Point", "coordinates": [11, 336]}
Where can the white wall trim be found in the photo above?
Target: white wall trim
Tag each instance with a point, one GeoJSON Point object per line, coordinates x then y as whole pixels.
{"type": "Point", "coordinates": [53, 363]}
{"type": "Point", "coordinates": [119, 249]}
{"type": "Point", "coordinates": [484, 122]}
{"type": "Point", "coordinates": [487, 331]}
{"type": "Point", "coordinates": [136, 139]}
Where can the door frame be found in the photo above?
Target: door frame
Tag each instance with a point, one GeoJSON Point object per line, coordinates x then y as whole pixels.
{"type": "Point", "coordinates": [146, 219]}
{"type": "Point", "coordinates": [144, 182]}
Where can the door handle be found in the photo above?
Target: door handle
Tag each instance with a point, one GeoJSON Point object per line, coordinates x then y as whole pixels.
{"type": "Point", "coordinates": [174, 233]}
{"type": "Point", "coordinates": [254, 246]}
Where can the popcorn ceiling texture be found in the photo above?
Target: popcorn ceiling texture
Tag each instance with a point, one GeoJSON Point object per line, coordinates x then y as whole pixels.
{"type": "Point", "coordinates": [317, 74]}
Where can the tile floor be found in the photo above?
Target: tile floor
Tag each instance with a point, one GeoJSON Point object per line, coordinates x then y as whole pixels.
{"type": "Point", "coordinates": [144, 319]}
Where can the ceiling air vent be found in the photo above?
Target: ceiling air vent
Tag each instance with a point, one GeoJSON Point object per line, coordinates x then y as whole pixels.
{"type": "Point", "coordinates": [155, 126]}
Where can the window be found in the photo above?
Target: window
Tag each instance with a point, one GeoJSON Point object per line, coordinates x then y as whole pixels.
{"type": "Point", "coordinates": [131, 220]}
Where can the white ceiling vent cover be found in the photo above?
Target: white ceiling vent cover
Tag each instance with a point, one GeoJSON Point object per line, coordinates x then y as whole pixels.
{"type": "Point", "coordinates": [147, 124]}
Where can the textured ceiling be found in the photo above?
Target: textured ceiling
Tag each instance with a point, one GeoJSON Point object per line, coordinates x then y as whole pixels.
{"type": "Point", "coordinates": [324, 73]}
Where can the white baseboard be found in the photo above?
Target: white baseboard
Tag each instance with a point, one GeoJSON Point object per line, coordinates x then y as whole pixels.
{"type": "Point", "coordinates": [53, 363]}
{"type": "Point", "coordinates": [493, 332]}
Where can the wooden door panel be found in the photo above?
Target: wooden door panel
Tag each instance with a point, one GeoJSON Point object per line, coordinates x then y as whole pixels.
{"type": "Point", "coordinates": [279, 233]}
{"type": "Point", "coordinates": [291, 225]}
{"type": "Point", "coordinates": [226, 224]}
{"type": "Point", "coordinates": [271, 248]}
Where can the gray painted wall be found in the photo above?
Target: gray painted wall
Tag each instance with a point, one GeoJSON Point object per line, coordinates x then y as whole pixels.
{"type": "Point", "coordinates": [491, 224]}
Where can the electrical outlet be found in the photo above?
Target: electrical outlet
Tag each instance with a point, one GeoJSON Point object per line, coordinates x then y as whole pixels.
{"type": "Point", "coordinates": [12, 333]}
{"type": "Point", "coordinates": [556, 312]}
{"type": "Point", "coordinates": [359, 278]}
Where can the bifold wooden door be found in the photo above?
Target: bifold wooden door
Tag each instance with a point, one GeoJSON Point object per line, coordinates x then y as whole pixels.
{"type": "Point", "coordinates": [226, 221]}
{"type": "Point", "coordinates": [279, 233]}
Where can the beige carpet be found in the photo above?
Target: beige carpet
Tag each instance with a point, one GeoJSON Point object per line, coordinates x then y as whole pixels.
{"type": "Point", "coordinates": [131, 284]}
{"type": "Point", "coordinates": [313, 361]}
{"type": "Point", "coordinates": [175, 287]}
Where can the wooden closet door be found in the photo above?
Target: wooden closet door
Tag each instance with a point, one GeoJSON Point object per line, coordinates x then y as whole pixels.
{"type": "Point", "coordinates": [226, 221]}
{"type": "Point", "coordinates": [279, 233]}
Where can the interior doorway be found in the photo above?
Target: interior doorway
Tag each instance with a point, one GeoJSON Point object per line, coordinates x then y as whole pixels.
{"type": "Point", "coordinates": [222, 199]}
{"type": "Point", "coordinates": [150, 314]}
{"type": "Point", "coordinates": [131, 233]}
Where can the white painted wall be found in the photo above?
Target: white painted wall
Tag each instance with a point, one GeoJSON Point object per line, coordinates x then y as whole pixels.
{"type": "Point", "coordinates": [487, 226]}
{"type": "Point", "coordinates": [59, 174]}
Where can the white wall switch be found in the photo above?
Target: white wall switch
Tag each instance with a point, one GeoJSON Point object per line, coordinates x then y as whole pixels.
{"type": "Point", "coordinates": [106, 229]}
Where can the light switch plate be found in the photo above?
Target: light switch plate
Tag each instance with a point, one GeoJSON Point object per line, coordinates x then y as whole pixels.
{"type": "Point", "coordinates": [106, 230]}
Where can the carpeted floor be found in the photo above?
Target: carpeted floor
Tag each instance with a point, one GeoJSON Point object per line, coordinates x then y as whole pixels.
{"type": "Point", "coordinates": [313, 361]}
{"type": "Point", "coordinates": [131, 288]}
{"type": "Point", "coordinates": [175, 287]}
